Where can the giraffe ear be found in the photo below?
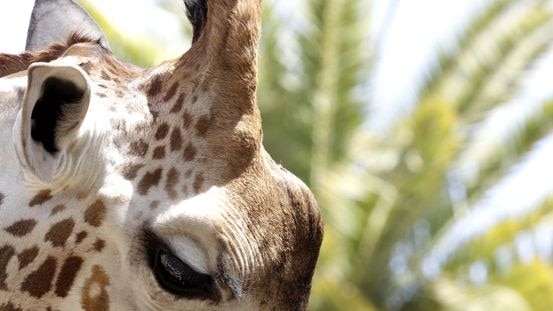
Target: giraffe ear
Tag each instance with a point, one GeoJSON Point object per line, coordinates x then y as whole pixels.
{"type": "Point", "coordinates": [55, 20]}
{"type": "Point", "coordinates": [54, 108]}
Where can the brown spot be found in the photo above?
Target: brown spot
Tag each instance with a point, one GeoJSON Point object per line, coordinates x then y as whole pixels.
{"type": "Point", "coordinates": [67, 275]}
{"type": "Point", "coordinates": [155, 204]}
{"type": "Point", "coordinates": [155, 114]}
{"type": "Point", "coordinates": [176, 140]}
{"type": "Point", "coordinates": [171, 183]}
{"type": "Point", "coordinates": [155, 86]}
{"type": "Point", "coordinates": [171, 93]}
{"type": "Point", "coordinates": [95, 214]}
{"type": "Point", "coordinates": [81, 236]}
{"type": "Point", "coordinates": [105, 75]}
{"type": "Point", "coordinates": [42, 197]}
{"type": "Point", "coordinates": [57, 209]}
{"type": "Point", "coordinates": [198, 182]}
{"type": "Point", "coordinates": [188, 174]}
{"type": "Point", "coordinates": [119, 125]}
{"type": "Point", "coordinates": [185, 189]}
{"type": "Point", "coordinates": [204, 87]}
{"type": "Point", "coordinates": [9, 307]}
{"type": "Point", "coordinates": [82, 195]}
{"type": "Point", "coordinates": [2, 197]}
{"type": "Point", "coordinates": [91, 298]}
{"type": "Point", "coordinates": [139, 216]}
{"type": "Point", "coordinates": [130, 171]}
{"type": "Point", "coordinates": [162, 131]}
{"type": "Point", "coordinates": [159, 153]}
{"type": "Point", "coordinates": [39, 282]}
{"type": "Point", "coordinates": [113, 68]}
{"type": "Point", "coordinates": [186, 120]}
{"type": "Point", "coordinates": [22, 227]}
{"type": "Point", "coordinates": [178, 105]}
{"type": "Point", "coordinates": [99, 245]}
{"type": "Point", "coordinates": [27, 256]}
{"type": "Point", "coordinates": [87, 67]}
{"type": "Point", "coordinates": [101, 95]}
{"type": "Point", "coordinates": [151, 179]}
{"type": "Point", "coordinates": [60, 232]}
{"type": "Point", "coordinates": [139, 148]}
{"type": "Point", "coordinates": [194, 98]}
{"type": "Point", "coordinates": [143, 126]}
{"type": "Point", "coordinates": [189, 152]}
{"type": "Point", "coordinates": [202, 126]}
{"type": "Point", "coordinates": [6, 254]}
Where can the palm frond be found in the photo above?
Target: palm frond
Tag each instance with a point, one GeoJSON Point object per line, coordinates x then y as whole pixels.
{"type": "Point", "coordinates": [447, 60]}
{"type": "Point", "coordinates": [485, 247]}
{"type": "Point", "coordinates": [497, 164]}
{"type": "Point", "coordinates": [139, 51]}
{"type": "Point", "coordinates": [517, 50]}
{"type": "Point", "coordinates": [333, 69]}
{"type": "Point", "coordinates": [287, 119]}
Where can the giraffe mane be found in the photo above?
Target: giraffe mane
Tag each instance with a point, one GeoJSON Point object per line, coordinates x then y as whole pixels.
{"type": "Point", "coordinates": [13, 63]}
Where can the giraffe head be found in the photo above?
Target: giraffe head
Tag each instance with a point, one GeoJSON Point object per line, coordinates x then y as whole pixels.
{"type": "Point", "coordinates": [124, 188]}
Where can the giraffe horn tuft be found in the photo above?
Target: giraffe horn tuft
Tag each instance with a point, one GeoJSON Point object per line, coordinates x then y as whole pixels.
{"type": "Point", "coordinates": [196, 10]}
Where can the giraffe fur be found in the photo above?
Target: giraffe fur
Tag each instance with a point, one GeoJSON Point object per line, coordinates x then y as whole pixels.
{"type": "Point", "coordinates": [124, 188]}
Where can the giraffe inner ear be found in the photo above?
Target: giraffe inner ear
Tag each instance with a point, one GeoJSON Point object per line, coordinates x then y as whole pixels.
{"type": "Point", "coordinates": [53, 21]}
{"type": "Point", "coordinates": [53, 111]}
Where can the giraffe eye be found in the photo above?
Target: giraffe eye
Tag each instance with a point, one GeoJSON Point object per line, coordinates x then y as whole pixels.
{"type": "Point", "coordinates": [179, 278]}
{"type": "Point", "coordinates": [176, 276]}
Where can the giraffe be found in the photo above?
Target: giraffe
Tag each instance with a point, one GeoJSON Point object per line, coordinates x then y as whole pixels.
{"type": "Point", "coordinates": [124, 188]}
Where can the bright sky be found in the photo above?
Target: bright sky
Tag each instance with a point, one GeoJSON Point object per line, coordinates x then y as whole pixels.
{"type": "Point", "coordinates": [166, 29]}
{"type": "Point", "coordinates": [419, 27]}
{"type": "Point", "coordinates": [16, 19]}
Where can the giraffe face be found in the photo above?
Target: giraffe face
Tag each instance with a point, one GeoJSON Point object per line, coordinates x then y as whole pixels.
{"type": "Point", "coordinates": [133, 189]}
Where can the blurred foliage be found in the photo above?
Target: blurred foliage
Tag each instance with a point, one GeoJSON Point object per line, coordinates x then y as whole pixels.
{"type": "Point", "coordinates": [387, 196]}
{"type": "Point", "coordinates": [139, 51]}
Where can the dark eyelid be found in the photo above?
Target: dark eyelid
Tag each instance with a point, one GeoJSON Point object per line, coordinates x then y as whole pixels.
{"type": "Point", "coordinates": [154, 246]}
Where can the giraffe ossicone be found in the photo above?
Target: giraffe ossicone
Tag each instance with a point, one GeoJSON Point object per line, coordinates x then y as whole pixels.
{"type": "Point", "coordinates": [124, 188]}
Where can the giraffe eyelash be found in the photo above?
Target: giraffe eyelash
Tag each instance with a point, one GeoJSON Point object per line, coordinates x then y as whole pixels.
{"type": "Point", "coordinates": [175, 275]}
